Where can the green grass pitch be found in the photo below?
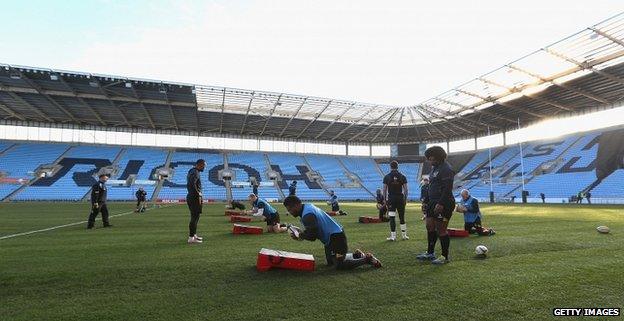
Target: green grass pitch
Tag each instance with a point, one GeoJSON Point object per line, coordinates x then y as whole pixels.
{"type": "Point", "coordinates": [142, 269]}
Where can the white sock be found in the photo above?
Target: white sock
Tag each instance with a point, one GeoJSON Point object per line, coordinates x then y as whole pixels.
{"type": "Point", "coordinates": [393, 235]}
{"type": "Point", "coordinates": [404, 229]}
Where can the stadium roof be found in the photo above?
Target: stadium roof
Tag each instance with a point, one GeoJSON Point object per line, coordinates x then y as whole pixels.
{"type": "Point", "coordinates": [582, 72]}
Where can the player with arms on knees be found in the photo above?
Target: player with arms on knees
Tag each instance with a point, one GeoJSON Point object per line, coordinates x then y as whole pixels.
{"type": "Point", "coordinates": [469, 206]}
{"type": "Point", "coordinates": [395, 194]}
{"type": "Point", "coordinates": [318, 225]}
{"type": "Point", "coordinates": [262, 208]}
{"type": "Point", "coordinates": [333, 201]}
{"type": "Point", "coordinates": [438, 206]}
{"type": "Point", "coordinates": [141, 196]}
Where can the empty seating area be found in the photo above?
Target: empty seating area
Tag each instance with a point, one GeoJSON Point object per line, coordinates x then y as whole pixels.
{"type": "Point", "coordinates": [140, 162]}
{"type": "Point", "coordinates": [289, 165]}
{"type": "Point", "coordinates": [79, 172]}
{"type": "Point", "coordinates": [21, 161]}
{"type": "Point", "coordinates": [337, 178]}
{"type": "Point", "coordinates": [240, 163]}
{"type": "Point", "coordinates": [175, 187]}
{"type": "Point", "coordinates": [410, 170]}
{"type": "Point", "coordinates": [559, 168]}
{"type": "Point", "coordinates": [366, 170]}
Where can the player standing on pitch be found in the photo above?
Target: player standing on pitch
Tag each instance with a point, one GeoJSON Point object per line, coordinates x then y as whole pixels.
{"type": "Point", "coordinates": [438, 206]}
{"type": "Point", "coordinates": [318, 225]}
{"type": "Point", "coordinates": [194, 199]}
{"type": "Point", "coordinates": [395, 194]}
{"type": "Point", "coordinates": [98, 202]}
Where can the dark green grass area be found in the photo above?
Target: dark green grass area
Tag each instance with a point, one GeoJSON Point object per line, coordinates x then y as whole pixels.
{"type": "Point", "coordinates": [142, 269]}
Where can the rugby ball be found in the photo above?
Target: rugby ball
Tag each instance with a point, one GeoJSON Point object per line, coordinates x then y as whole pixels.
{"type": "Point", "coordinates": [460, 208]}
{"type": "Point", "coordinates": [603, 229]}
{"type": "Point", "coordinates": [481, 250]}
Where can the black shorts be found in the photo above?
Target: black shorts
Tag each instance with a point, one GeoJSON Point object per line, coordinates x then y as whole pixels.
{"type": "Point", "coordinates": [446, 214]}
{"type": "Point", "coordinates": [475, 224]}
{"type": "Point", "coordinates": [273, 220]}
{"type": "Point", "coordinates": [338, 244]}
{"type": "Point", "coordinates": [335, 207]}
{"type": "Point", "coordinates": [396, 203]}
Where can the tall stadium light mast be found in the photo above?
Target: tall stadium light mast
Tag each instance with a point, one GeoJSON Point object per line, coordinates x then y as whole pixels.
{"type": "Point", "coordinates": [490, 158]}
{"type": "Point", "coordinates": [521, 161]}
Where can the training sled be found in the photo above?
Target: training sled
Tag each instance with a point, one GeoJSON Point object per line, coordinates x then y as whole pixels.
{"type": "Point", "coordinates": [453, 232]}
{"type": "Point", "coordinates": [268, 259]}
{"type": "Point", "coordinates": [246, 229]}
{"type": "Point", "coordinates": [236, 218]}
{"type": "Point", "coordinates": [369, 219]}
{"type": "Point", "coordinates": [233, 212]}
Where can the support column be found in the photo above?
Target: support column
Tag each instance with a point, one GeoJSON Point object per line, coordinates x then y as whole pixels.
{"type": "Point", "coordinates": [475, 138]}
{"type": "Point", "coordinates": [448, 147]}
{"type": "Point", "coordinates": [347, 148]}
{"type": "Point", "coordinates": [504, 138]}
{"type": "Point", "coordinates": [370, 150]}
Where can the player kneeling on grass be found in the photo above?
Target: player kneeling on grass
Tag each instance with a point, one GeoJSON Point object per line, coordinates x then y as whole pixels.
{"type": "Point", "coordinates": [141, 196]}
{"type": "Point", "coordinates": [333, 201]}
{"type": "Point", "coordinates": [269, 214]}
{"type": "Point", "coordinates": [318, 225]}
{"type": "Point", "coordinates": [469, 206]}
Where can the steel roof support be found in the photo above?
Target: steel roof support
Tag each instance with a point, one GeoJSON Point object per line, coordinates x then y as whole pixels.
{"type": "Point", "coordinates": [314, 119]}
{"type": "Point", "coordinates": [335, 120]}
{"type": "Point", "coordinates": [11, 112]}
{"type": "Point", "coordinates": [355, 122]}
{"type": "Point", "coordinates": [271, 114]}
{"type": "Point", "coordinates": [531, 96]}
{"type": "Point", "coordinates": [370, 125]}
{"type": "Point", "coordinates": [505, 104]}
{"type": "Point", "coordinates": [247, 113]}
{"type": "Point", "coordinates": [82, 101]}
{"type": "Point", "coordinates": [136, 95]}
{"type": "Point", "coordinates": [37, 110]}
{"type": "Point", "coordinates": [41, 92]}
{"type": "Point", "coordinates": [293, 117]}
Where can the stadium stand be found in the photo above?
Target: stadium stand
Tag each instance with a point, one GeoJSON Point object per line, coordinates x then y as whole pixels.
{"type": "Point", "coordinates": [246, 165]}
{"type": "Point", "coordinates": [559, 168]}
{"type": "Point", "coordinates": [140, 162]}
{"type": "Point", "coordinates": [294, 167]}
{"type": "Point", "coordinates": [366, 170]}
{"type": "Point", "coordinates": [21, 161]}
{"type": "Point", "coordinates": [337, 178]}
{"type": "Point", "coordinates": [410, 170]}
{"type": "Point", "coordinates": [174, 188]}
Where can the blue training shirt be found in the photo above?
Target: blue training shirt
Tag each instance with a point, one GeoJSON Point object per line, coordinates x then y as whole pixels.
{"type": "Point", "coordinates": [269, 211]}
{"type": "Point", "coordinates": [325, 224]}
{"type": "Point", "coordinates": [472, 209]}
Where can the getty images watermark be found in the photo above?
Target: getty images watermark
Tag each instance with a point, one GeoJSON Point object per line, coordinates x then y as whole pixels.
{"type": "Point", "coordinates": [586, 312]}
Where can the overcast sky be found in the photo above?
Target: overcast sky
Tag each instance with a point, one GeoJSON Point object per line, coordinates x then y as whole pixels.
{"type": "Point", "coordinates": [389, 52]}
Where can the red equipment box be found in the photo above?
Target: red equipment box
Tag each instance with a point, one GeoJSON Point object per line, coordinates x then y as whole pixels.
{"type": "Point", "coordinates": [453, 232]}
{"type": "Point", "coordinates": [332, 213]}
{"type": "Point", "coordinates": [236, 218]}
{"type": "Point", "coordinates": [246, 229]}
{"type": "Point", "coordinates": [268, 259]}
{"type": "Point", "coordinates": [232, 212]}
{"type": "Point", "coordinates": [369, 219]}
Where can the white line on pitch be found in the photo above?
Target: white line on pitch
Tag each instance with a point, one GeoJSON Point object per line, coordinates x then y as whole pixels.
{"type": "Point", "coordinates": [66, 225]}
